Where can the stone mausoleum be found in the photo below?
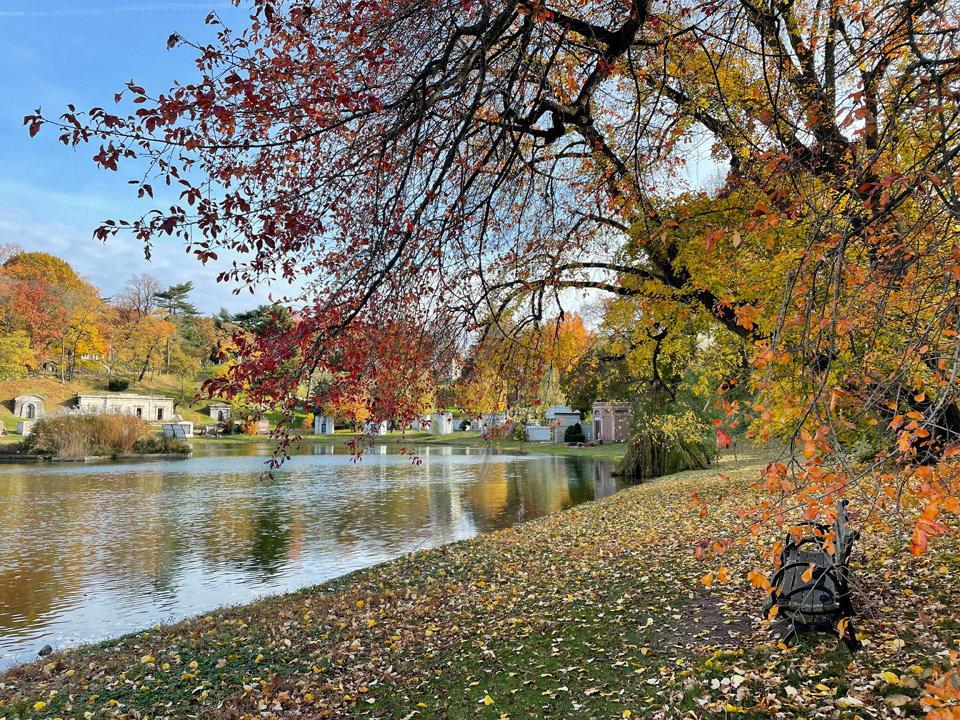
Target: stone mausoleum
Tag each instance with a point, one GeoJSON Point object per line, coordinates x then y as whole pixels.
{"type": "Point", "coordinates": [149, 407]}
{"type": "Point", "coordinates": [612, 421]}
{"type": "Point", "coordinates": [28, 406]}
{"type": "Point", "coordinates": [219, 411]}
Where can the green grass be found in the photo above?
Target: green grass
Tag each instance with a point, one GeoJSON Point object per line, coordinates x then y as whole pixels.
{"type": "Point", "coordinates": [611, 451]}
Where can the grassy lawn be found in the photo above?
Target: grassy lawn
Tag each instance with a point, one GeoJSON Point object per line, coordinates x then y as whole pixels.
{"type": "Point", "coordinates": [612, 451]}
{"type": "Point", "coordinates": [595, 612]}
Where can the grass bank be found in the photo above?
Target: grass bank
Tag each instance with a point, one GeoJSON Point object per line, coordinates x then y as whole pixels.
{"type": "Point", "coordinates": [595, 612]}
{"type": "Point", "coordinates": [611, 451]}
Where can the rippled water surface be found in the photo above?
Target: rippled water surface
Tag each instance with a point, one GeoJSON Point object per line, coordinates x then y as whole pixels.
{"type": "Point", "coordinates": [93, 551]}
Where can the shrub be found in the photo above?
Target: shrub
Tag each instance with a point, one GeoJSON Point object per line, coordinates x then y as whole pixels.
{"type": "Point", "coordinates": [308, 422]}
{"type": "Point", "coordinates": [250, 427]}
{"type": "Point", "coordinates": [84, 433]}
{"type": "Point", "coordinates": [117, 384]}
{"type": "Point", "coordinates": [519, 433]}
{"type": "Point", "coordinates": [574, 433]}
{"type": "Point", "coordinates": [156, 444]}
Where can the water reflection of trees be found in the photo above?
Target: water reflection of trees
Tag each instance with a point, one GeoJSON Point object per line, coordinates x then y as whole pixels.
{"type": "Point", "coordinates": [151, 530]}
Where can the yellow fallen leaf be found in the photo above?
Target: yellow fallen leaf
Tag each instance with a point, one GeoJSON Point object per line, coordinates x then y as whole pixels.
{"type": "Point", "coordinates": [487, 700]}
{"type": "Point", "coordinates": [627, 713]}
{"type": "Point", "coordinates": [39, 706]}
{"type": "Point", "coordinates": [891, 678]}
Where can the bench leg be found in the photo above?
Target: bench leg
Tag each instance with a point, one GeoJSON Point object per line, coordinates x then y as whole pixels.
{"type": "Point", "coordinates": [797, 628]}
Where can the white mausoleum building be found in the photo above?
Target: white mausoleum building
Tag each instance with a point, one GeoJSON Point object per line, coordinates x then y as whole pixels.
{"type": "Point", "coordinates": [149, 407]}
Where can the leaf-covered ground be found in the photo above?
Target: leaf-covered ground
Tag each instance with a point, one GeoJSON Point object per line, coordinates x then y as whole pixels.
{"type": "Point", "coordinates": [596, 612]}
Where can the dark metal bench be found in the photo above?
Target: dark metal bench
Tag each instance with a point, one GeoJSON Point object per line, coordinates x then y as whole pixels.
{"type": "Point", "coordinates": [817, 602]}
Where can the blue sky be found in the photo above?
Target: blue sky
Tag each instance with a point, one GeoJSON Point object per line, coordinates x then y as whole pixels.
{"type": "Point", "coordinates": [52, 197]}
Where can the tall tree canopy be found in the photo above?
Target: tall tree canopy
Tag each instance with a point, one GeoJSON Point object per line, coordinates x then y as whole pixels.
{"type": "Point", "coordinates": [429, 166]}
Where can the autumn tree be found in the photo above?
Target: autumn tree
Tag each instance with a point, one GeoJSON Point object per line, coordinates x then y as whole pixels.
{"type": "Point", "coordinates": [16, 357]}
{"type": "Point", "coordinates": [444, 165]}
{"type": "Point", "coordinates": [42, 296]}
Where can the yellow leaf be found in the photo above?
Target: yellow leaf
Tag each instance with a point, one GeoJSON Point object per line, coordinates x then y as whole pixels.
{"type": "Point", "coordinates": [627, 713]}
{"type": "Point", "coordinates": [842, 627]}
{"type": "Point", "coordinates": [891, 678]}
{"type": "Point", "coordinates": [39, 706]}
{"type": "Point", "coordinates": [371, 622]}
{"type": "Point", "coordinates": [707, 579]}
{"type": "Point", "coordinates": [487, 700]}
{"type": "Point", "coordinates": [359, 603]}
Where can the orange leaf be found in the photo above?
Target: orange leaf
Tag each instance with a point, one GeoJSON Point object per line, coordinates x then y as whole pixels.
{"type": "Point", "coordinates": [707, 579]}
{"type": "Point", "coordinates": [723, 575]}
{"type": "Point", "coordinates": [808, 575]}
{"type": "Point", "coordinates": [918, 543]}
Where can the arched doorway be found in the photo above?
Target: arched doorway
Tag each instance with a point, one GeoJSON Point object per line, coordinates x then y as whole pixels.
{"type": "Point", "coordinates": [29, 412]}
{"type": "Point", "coordinates": [219, 415]}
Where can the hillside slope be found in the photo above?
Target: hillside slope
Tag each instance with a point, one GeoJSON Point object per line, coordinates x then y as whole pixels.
{"type": "Point", "coordinates": [58, 396]}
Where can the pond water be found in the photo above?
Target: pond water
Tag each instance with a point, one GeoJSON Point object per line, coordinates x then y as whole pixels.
{"type": "Point", "coordinates": [94, 551]}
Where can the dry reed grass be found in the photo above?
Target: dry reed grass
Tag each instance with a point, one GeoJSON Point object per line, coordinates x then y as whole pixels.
{"type": "Point", "coordinates": [84, 433]}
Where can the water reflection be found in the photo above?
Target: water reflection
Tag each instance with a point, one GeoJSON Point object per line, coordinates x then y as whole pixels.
{"type": "Point", "coordinates": [87, 552]}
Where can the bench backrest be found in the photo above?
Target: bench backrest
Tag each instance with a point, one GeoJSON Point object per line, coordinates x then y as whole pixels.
{"type": "Point", "coordinates": [843, 535]}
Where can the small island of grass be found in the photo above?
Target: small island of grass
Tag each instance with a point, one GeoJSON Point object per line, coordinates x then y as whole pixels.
{"type": "Point", "coordinates": [88, 434]}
